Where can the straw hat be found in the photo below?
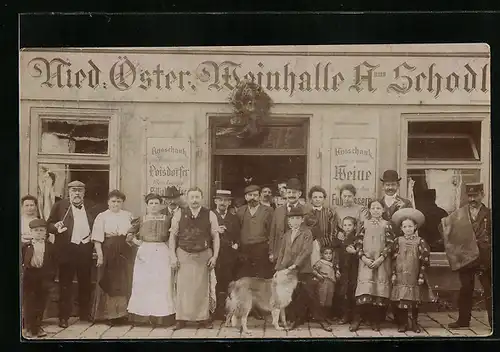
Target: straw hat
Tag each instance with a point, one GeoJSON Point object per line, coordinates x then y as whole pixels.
{"type": "Point", "coordinates": [408, 213]}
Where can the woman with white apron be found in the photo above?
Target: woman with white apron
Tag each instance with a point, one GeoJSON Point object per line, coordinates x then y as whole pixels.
{"type": "Point", "coordinates": [152, 285]}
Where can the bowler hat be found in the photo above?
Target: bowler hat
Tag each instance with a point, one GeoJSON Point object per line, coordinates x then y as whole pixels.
{"type": "Point", "coordinates": [251, 188]}
{"type": "Point", "coordinates": [390, 176]}
{"type": "Point", "coordinates": [76, 183]}
{"type": "Point", "coordinates": [408, 213]}
{"type": "Point", "coordinates": [294, 183]}
{"type": "Point", "coordinates": [172, 192]}
{"type": "Point", "coordinates": [296, 211]}
{"type": "Point", "coordinates": [474, 188]}
{"type": "Point", "coordinates": [37, 223]}
{"type": "Point", "coordinates": [222, 193]}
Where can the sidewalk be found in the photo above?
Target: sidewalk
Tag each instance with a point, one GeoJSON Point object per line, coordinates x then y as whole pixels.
{"type": "Point", "coordinates": [433, 325]}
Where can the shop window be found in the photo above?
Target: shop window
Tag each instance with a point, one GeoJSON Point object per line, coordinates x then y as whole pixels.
{"type": "Point", "coordinates": [441, 158]}
{"type": "Point", "coordinates": [71, 144]}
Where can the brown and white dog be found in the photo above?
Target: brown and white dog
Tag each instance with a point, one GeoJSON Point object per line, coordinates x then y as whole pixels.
{"type": "Point", "coordinates": [271, 295]}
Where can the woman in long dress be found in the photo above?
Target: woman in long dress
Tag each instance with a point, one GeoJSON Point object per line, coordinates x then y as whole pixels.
{"type": "Point", "coordinates": [114, 261]}
{"type": "Point", "coordinates": [152, 286]}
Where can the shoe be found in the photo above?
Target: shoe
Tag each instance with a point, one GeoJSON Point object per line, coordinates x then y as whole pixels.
{"type": "Point", "coordinates": [179, 325]}
{"type": "Point", "coordinates": [458, 324]}
{"type": "Point", "coordinates": [63, 323]}
{"type": "Point", "coordinates": [325, 327]}
{"type": "Point", "coordinates": [41, 333]}
{"type": "Point", "coordinates": [402, 328]}
{"type": "Point", "coordinates": [414, 326]}
{"type": "Point", "coordinates": [355, 325]}
{"type": "Point", "coordinates": [376, 326]}
{"type": "Point", "coordinates": [344, 320]}
{"type": "Point", "coordinates": [206, 325]}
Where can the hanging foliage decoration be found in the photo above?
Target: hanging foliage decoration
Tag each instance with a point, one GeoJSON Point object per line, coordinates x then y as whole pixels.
{"type": "Point", "coordinates": [251, 107]}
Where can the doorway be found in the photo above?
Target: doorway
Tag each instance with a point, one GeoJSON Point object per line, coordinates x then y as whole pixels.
{"type": "Point", "coordinates": [277, 154]}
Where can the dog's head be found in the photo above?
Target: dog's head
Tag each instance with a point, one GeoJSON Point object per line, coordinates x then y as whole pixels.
{"type": "Point", "coordinates": [286, 278]}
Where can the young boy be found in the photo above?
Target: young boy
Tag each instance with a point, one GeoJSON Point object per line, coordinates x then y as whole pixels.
{"type": "Point", "coordinates": [348, 268]}
{"type": "Point", "coordinates": [38, 273]}
{"type": "Point", "coordinates": [295, 254]}
{"type": "Point", "coordinates": [327, 272]}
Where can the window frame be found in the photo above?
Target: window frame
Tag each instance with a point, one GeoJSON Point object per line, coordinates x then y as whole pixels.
{"type": "Point", "coordinates": [38, 114]}
{"type": "Point", "coordinates": [439, 259]}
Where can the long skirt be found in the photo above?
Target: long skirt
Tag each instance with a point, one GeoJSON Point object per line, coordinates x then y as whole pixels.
{"type": "Point", "coordinates": [193, 286]}
{"type": "Point", "coordinates": [113, 305]}
{"type": "Point", "coordinates": [152, 286]}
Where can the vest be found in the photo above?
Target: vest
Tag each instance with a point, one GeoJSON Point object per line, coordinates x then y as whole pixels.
{"type": "Point", "coordinates": [194, 233]}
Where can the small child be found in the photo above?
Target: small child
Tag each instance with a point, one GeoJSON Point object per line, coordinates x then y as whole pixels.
{"type": "Point", "coordinates": [373, 290]}
{"type": "Point", "coordinates": [38, 273]}
{"type": "Point", "coordinates": [411, 258]}
{"type": "Point", "coordinates": [349, 261]}
{"type": "Point", "coordinates": [326, 270]}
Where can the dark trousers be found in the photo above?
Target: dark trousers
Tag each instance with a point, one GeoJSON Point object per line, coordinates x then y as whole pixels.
{"type": "Point", "coordinates": [344, 301]}
{"type": "Point", "coordinates": [79, 262]}
{"type": "Point", "coordinates": [467, 276]}
{"type": "Point", "coordinates": [254, 261]}
{"type": "Point", "coordinates": [225, 271]}
{"type": "Point", "coordinates": [305, 301]}
{"type": "Point", "coordinates": [35, 294]}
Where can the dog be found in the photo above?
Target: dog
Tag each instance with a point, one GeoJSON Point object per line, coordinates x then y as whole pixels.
{"type": "Point", "coordinates": [270, 295]}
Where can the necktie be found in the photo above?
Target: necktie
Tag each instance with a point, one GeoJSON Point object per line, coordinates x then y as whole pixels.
{"type": "Point", "coordinates": [79, 206]}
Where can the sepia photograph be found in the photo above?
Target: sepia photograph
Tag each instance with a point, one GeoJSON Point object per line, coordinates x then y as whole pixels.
{"type": "Point", "coordinates": [263, 192]}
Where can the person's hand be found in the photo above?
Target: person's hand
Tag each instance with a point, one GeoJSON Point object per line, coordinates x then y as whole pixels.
{"type": "Point", "coordinates": [271, 258]}
{"type": "Point", "coordinates": [222, 229]}
{"type": "Point", "coordinates": [341, 236]}
{"type": "Point", "coordinates": [368, 262]}
{"type": "Point", "coordinates": [60, 226]}
{"type": "Point", "coordinates": [337, 274]}
{"type": "Point", "coordinates": [377, 262]}
{"type": "Point", "coordinates": [175, 262]}
{"type": "Point", "coordinates": [350, 249]}
{"type": "Point", "coordinates": [52, 238]}
{"type": "Point", "coordinates": [420, 281]}
{"type": "Point", "coordinates": [100, 260]}
{"type": "Point", "coordinates": [211, 262]}
{"type": "Point", "coordinates": [393, 278]}
{"type": "Point", "coordinates": [235, 246]}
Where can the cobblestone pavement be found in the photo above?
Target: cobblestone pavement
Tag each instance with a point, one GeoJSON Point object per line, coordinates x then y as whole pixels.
{"type": "Point", "coordinates": [433, 325]}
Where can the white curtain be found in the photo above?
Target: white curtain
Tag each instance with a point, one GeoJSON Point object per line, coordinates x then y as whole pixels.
{"type": "Point", "coordinates": [47, 188]}
{"type": "Point", "coordinates": [447, 184]}
{"type": "Point", "coordinates": [411, 195]}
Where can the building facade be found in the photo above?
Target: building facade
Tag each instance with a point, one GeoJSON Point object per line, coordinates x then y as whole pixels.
{"type": "Point", "coordinates": [141, 119]}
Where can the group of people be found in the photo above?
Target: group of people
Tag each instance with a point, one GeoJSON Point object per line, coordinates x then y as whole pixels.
{"type": "Point", "coordinates": [174, 265]}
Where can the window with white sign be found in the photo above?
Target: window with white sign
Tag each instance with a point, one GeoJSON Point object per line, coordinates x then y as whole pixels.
{"type": "Point", "coordinates": [72, 144]}
{"type": "Point", "coordinates": [440, 154]}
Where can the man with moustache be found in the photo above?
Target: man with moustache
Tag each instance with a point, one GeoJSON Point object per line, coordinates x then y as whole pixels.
{"type": "Point", "coordinates": [172, 200]}
{"type": "Point", "coordinates": [229, 233]}
{"type": "Point", "coordinates": [71, 221]}
{"type": "Point", "coordinates": [255, 220]}
{"type": "Point", "coordinates": [279, 223]}
{"type": "Point", "coordinates": [391, 200]}
{"type": "Point", "coordinates": [467, 240]}
{"type": "Point", "coordinates": [266, 197]}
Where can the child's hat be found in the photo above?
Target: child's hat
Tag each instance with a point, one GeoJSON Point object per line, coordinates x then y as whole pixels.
{"type": "Point", "coordinates": [296, 211]}
{"type": "Point", "coordinates": [408, 213]}
{"type": "Point", "coordinates": [37, 223]}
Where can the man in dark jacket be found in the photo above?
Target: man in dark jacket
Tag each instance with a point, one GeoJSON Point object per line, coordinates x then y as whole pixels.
{"type": "Point", "coordinates": [392, 201]}
{"type": "Point", "coordinates": [172, 200]}
{"type": "Point", "coordinates": [71, 221]}
{"type": "Point", "coordinates": [229, 233]}
{"type": "Point", "coordinates": [467, 242]}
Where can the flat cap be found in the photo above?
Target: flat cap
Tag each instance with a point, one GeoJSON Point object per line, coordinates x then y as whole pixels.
{"type": "Point", "coordinates": [76, 183]}
{"type": "Point", "coordinates": [251, 188]}
{"type": "Point", "coordinates": [296, 211]}
{"type": "Point", "coordinates": [37, 223]}
{"type": "Point", "coordinates": [474, 188]}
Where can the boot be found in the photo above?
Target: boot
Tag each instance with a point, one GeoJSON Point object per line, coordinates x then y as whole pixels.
{"type": "Point", "coordinates": [376, 317]}
{"type": "Point", "coordinates": [356, 322]}
{"type": "Point", "coordinates": [402, 319]}
{"type": "Point", "coordinates": [414, 320]}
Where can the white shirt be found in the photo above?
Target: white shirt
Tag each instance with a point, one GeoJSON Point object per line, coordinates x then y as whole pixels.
{"type": "Point", "coordinates": [38, 253]}
{"type": "Point", "coordinates": [389, 200]}
{"type": "Point", "coordinates": [290, 206]}
{"type": "Point", "coordinates": [223, 216]}
{"type": "Point", "coordinates": [253, 210]}
{"type": "Point", "coordinates": [81, 228]}
{"type": "Point", "coordinates": [109, 222]}
{"type": "Point", "coordinates": [318, 208]}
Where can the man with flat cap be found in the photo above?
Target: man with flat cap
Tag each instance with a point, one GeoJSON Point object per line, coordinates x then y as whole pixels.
{"type": "Point", "coordinates": [229, 233]}
{"type": "Point", "coordinates": [279, 224]}
{"type": "Point", "coordinates": [391, 200]}
{"type": "Point", "coordinates": [467, 242]}
{"type": "Point", "coordinates": [266, 197]}
{"type": "Point", "coordinates": [172, 200]}
{"type": "Point", "coordinates": [255, 220]}
{"type": "Point", "coordinates": [71, 221]}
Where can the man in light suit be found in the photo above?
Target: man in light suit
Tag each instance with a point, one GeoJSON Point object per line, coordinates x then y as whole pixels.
{"type": "Point", "coordinates": [391, 200]}
{"type": "Point", "coordinates": [279, 224]}
{"type": "Point", "coordinates": [71, 221]}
